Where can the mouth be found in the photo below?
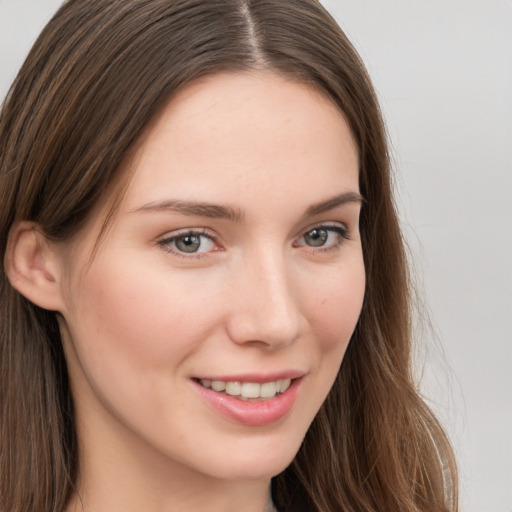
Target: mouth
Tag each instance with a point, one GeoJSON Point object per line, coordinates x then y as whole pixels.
{"type": "Point", "coordinates": [254, 400]}
{"type": "Point", "coordinates": [248, 391]}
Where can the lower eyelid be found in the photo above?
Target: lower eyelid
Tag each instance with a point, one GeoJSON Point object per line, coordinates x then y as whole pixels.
{"type": "Point", "coordinates": [340, 231]}
{"type": "Point", "coordinates": [167, 241]}
{"type": "Point", "coordinates": [340, 237]}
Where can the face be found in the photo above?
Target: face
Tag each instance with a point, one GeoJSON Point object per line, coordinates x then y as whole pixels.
{"type": "Point", "coordinates": [211, 323]}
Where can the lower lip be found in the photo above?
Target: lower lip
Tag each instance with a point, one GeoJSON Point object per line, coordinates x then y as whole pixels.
{"type": "Point", "coordinates": [257, 413]}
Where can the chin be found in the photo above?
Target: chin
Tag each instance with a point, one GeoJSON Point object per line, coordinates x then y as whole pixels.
{"type": "Point", "coordinates": [259, 468]}
{"type": "Point", "coordinates": [244, 461]}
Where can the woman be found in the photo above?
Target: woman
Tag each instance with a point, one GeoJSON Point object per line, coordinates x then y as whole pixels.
{"type": "Point", "coordinates": [198, 230]}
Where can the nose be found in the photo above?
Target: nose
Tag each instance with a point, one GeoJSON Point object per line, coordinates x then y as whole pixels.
{"type": "Point", "coordinates": [265, 307]}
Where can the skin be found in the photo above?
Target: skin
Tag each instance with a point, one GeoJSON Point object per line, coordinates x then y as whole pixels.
{"type": "Point", "coordinates": [142, 319]}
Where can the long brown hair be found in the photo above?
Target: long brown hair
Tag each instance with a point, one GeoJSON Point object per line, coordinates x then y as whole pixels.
{"type": "Point", "coordinates": [97, 76]}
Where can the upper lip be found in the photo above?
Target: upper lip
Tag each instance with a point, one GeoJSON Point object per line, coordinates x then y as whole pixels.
{"type": "Point", "coordinates": [258, 378]}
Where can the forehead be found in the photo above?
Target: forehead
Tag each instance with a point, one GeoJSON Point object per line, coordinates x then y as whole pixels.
{"type": "Point", "coordinates": [255, 130]}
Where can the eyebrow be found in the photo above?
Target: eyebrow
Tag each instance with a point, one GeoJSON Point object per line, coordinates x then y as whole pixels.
{"type": "Point", "coordinates": [194, 208]}
{"type": "Point", "coordinates": [334, 202]}
{"type": "Point", "coordinates": [217, 211]}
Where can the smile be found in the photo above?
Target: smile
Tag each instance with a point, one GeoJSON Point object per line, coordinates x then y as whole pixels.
{"type": "Point", "coordinates": [251, 403]}
{"type": "Point", "coordinates": [248, 390]}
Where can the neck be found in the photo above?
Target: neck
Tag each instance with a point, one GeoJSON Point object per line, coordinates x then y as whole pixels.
{"type": "Point", "coordinates": [116, 490]}
{"type": "Point", "coordinates": [122, 474]}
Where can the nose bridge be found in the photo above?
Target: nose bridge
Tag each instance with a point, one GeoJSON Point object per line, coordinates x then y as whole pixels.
{"type": "Point", "coordinates": [265, 307]}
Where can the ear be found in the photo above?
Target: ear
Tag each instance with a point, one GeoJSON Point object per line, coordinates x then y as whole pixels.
{"type": "Point", "coordinates": [32, 266]}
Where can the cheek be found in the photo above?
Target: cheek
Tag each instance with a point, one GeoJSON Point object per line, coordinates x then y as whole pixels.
{"type": "Point", "coordinates": [335, 305]}
{"type": "Point", "coordinates": [333, 308]}
{"type": "Point", "coordinates": [131, 320]}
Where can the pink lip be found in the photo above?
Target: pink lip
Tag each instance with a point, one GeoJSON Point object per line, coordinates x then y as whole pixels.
{"type": "Point", "coordinates": [258, 378]}
{"type": "Point", "coordinates": [257, 413]}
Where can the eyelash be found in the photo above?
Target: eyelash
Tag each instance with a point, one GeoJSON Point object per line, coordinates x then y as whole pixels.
{"type": "Point", "coordinates": [166, 243]}
{"type": "Point", "coordinates": [342, 234]}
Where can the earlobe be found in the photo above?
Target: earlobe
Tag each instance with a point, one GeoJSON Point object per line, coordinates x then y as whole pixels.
{"type": "Point", "coordinates": [32, 266]}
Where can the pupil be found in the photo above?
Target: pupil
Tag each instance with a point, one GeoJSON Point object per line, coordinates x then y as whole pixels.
{"type": "Point", "coordinates": [316, 237]}
{"type": "Point", "coordinates": [189, 243]}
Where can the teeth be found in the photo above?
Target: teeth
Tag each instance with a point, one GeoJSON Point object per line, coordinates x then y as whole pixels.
{"type": "Point", "coordinates": [233, 388]}
{"type": "Point", "coordinates": [248, 389]}
{"type": "Point", "coordinates": [217, 385]}
{"type": "Point", "coordinates": [285, 384]}
{"type": "Point", "coordinates": [268, 390]}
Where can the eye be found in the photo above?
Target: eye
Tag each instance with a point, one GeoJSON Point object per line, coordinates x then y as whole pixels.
{"type": "Point", "coordinates": [324, 237]}
{"type": "Point", "coordinates": [189, 243]}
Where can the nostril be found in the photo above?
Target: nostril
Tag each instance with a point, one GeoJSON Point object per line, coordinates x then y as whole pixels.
{"type": "Point", "coordinates": [264, 309]}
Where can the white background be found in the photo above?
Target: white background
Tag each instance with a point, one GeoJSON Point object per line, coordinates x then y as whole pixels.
{"type": "Point", "coordinates": [443, 72]}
